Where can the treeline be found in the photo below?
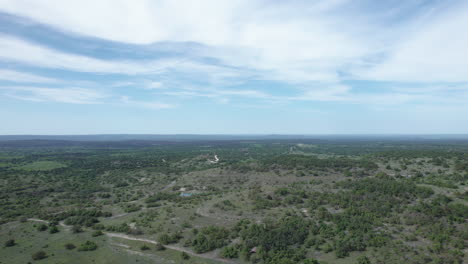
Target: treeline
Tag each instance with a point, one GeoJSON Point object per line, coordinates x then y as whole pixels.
{"type": "Point", "coordinates": [80, 217]}
{"type": "Point", "coordinates": [313, 162]}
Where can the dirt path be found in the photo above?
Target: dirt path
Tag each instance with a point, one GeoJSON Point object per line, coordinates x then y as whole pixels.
{"type": "Point", "coordinates": [177, 248]}
{"type": "Point", "coordinates": [124, 236]}
{"type": "Point", "coordinates": [216, 159]}
{"type": "Point", "coordinates": [66, 227]}
{"type": "Point", "coordinates": [38, 220]}
{"type": "Point", "coordinates": [169, 185]}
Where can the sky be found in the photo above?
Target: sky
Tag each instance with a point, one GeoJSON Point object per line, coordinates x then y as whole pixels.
{"type": "Point", "coordinates": [233, 67]}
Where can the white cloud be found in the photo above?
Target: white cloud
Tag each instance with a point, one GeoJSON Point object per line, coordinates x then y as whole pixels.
{"type": "Point", "coordinates": [217, 93]}
{"type": "Point", "coordinates": [145, 104]}
{"type": "Point", "coordinates": [17, 50]}
{"type": "Point", "coordinates": [154, 85]}
{"type": "Point", "coordinates": [328, 93]}
{"type": "Point", "coordinates": [291, 42]}
{"type": "Point", "coordinates": [294, 41]}
{"type": "Point", "coordinates": [434, 49]}
{"type": "Point", "coordinates": [23, 77]}
{"type": "Point", "coordinates": [61, 95]}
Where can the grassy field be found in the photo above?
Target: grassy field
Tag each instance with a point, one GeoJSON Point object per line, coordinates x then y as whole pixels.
{"type": "Point", "coordinates": [110, 250]}
{"type": "Point", "coordinates": [42, 166]}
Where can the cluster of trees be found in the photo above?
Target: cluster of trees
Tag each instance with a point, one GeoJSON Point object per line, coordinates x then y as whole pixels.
{"type": "Point", "coordinates": [169, 238]}
{"type": "Point", "coordinates": [82, 217]}
{"type": "Point", "coordinates": [210, 238]}
{"type": "Point", "coordinates": [312, 162]}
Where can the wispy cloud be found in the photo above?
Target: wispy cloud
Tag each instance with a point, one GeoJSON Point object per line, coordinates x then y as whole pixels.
{"type": "Point", "coordinates": [432, 49]}
{"type": "Point", "coordinates": [165, 54]}
{"type": "Point", "coordinates": [154, 85]}
{"type": "Point", "coordinates": [17, 50]}
{"type": "Point", "coordinates": [22, 77]}
{"type": "Point", "coordinates": [61, 95]}
{"type": "Point", "coordinates": [145, 104]}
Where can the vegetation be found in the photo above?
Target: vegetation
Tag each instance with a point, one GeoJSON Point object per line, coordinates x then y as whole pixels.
{"type": "Point", "coordinates": [70, 246]}
{"type": "Point", "coordinates": [39, 255]}
{"type": "Point", "coordinates": [88, 246]}
{"type": "Point", "coordinates": [10, 243]}
{"type": "Point", "coordinates": [282, 201]}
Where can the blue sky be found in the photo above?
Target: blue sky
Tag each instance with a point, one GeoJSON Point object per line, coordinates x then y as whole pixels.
{"type": "Point", "coordinates": [233, 67]}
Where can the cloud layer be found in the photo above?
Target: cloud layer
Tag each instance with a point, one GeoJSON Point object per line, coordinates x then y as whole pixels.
{"type": "Point", "coordinates": [174, 54]}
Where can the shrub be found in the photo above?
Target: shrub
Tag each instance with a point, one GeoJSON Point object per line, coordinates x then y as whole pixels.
{"type": "Point", "coordinates": [144, 247]}
{"type": "Point", "coordinates": [53, 230]}
{"type": "Point", "coordinates": [210, 238]}
{"type": "Point", "coordinates": [77, 229]}
{"type": "Point", "coordinates": [70, 246]}
{"type": "Point", "coordinates": [88, 246]}
{"type": "Point", "coordinates": [39, 255]}
{"type": "Point", "coordinates": [363, 260]}
{"type": "Point", "coordinates": [160, 247]}
{"type": "Point", "coordinates": [169, 239]}
{"type": "Point", "coordinates": [97, 233]}
{"type": "Point", "coordinates": [10, 243]}
{"type": "Point", "coordinates": [185, 255]}
{"type": "Point", "coordinates": [310, 261]}
{"type": "Point", "coordinates": [230, 252]}
{"type": "Point", "coordinates": [42, 227]}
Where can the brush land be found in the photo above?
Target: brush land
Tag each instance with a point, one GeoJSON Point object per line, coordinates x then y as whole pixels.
{"type": "Point", "coordinates": [282, 200]}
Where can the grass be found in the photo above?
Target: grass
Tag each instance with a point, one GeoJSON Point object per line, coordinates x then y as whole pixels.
{"type": "Point", "coordinates": [4, 164]}
{"type": "Point", "coordinates": [110, 250]}
{"type": "Point", "coordinates": [42, 166]}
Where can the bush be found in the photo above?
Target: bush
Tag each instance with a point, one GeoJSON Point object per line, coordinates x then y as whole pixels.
{"type": "Point", "coordinates": [42, 227]}
{"type": "Point", "coordinates": [70, 246]}
{"type": "Point", "coordinates": [97, 233]}
{"type": "Point", "coordinates": [169, 239]}
{"type": "Point", "coordinates": [363, 260]}
{"type": "Point", "coordinates": [184, 255]}
{"type": "Point", "coordinates": [88, 246]}
{"type": "Point", "coordinates": [77, 229]}
{"type": "Point", "coordinates": [160, 247]}
{"type": "Point", "coordinates": [135, 231]}
{"type": "Point", "coordinates": [39, 255]}
{"type": "Point", "coordinates": [230, 252]}
{"type": "Point", "coordinates": [10, 243]}
{"type": "Point", "coordinates": [144, 247]}
{"type": "Point", "coordinates": [210, 238]}
{"type": "Point", "coordinates": [310, 261]}
{"type": "Point", "coordinates": [53, 230]}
